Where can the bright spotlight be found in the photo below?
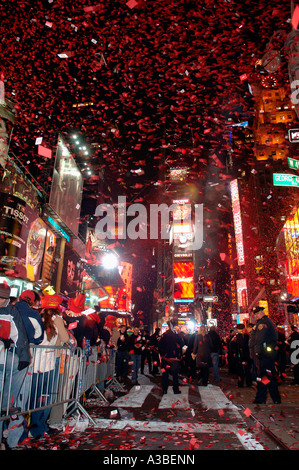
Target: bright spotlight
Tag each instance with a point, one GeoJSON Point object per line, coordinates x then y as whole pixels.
{"type": "Point", "coordinates": [110, 261]}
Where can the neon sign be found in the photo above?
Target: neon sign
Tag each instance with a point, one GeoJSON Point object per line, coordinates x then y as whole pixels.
{"type": "Point", "coordinates": [237, 221]}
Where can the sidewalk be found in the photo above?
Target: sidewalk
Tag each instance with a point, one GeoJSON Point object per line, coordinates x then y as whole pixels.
{"type": "Point", "coordinates": [277, 420]}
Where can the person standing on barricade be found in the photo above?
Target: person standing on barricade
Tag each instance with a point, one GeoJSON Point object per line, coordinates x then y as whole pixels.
{"type": "Point", "coordinates": [13, 361]}
{"type": "Point", "coordinates": [265, 343]}
{"type": "Point", "coordinates": [44, 362]}
{"type": "Point", "coordinates": [122, 354]}
{"type": "Point", "coordinates": [170, 348]}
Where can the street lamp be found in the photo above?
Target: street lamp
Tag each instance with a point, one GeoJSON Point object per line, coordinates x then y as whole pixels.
{"type": "Point", "coordinates": [110, 261]}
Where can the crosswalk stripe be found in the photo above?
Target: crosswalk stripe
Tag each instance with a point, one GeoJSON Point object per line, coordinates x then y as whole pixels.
{"type": "Point", "coordinates": [213, 398]}
{"type": "Point", "coordinates": [135, 397]}
{"type": "Point", "coordinates": [171, 400]}
{"type": "Point", "coordinates": [245, 438]}
{"type": "Point", "coordinates": [210, 397]}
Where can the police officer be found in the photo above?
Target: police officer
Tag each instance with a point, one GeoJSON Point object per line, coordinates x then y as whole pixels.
{"type": "Point", "coordinates": [265, 343]}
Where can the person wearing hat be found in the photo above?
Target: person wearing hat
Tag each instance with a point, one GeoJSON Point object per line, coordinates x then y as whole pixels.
{"type": "Point", "coordinates": [243, 360]}
{"type": "Point", "coordinates": [46, 361]}
{"type": "Point", "coordinates": [12, 332]}
{"type": "Point", "coordinates": [31, 317]}
{"type": "Point", "coordinates": [75, 319]}
{"type": "Point", "coordinates": [264, 346]}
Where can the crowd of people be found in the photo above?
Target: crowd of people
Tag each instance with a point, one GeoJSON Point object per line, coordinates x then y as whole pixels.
{"type": "Point", "coordinates": [27, 377]}
{"type": "Point", "coordinates": [258, 353]}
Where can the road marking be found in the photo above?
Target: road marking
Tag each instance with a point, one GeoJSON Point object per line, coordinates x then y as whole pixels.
{"type": "Point", "coordinates": [213, 398]}
{"type": "Point", "coordinates": [171, 400]}
{"type": "Point", "coordinates": [135, 397]}
{"type": "Point", "coordinates": [245, 438]}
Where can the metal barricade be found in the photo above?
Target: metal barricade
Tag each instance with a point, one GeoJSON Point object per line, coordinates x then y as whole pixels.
{"type": "Point", "coordinates": [52, 378]}
{"type": "Point", "coordinates": [112, 382]}
{"type": "Point", "coordinates": [105, 376]}
{"type": "Point", "coordinates": [56, 377]}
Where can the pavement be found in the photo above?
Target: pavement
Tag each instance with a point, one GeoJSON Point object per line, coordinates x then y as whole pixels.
{"type": "Point", "coordinates": [274, 426]}
{"type": "Point", "coordinates": [279, 421]}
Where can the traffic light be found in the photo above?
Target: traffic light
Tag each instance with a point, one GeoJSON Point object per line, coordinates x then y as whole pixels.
{"type": "Point", "coordinates": [210, 288]}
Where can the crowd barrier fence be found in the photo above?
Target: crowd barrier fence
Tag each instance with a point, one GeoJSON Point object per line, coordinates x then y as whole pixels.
{"type": "Point", "coordinates": [58, 378]}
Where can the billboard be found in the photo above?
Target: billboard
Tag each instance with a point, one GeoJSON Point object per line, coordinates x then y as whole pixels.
{"type": "Point", "coordinates": [183, 281]}
{"type": "Point", "coordinates": [72, 273]}
{"type": "Point", "coordinates": [126, 271]}
{"type": "Point", "coordinates": [22, 238]}
{"type": "Point", "coordinates": [66, 189]}
{"type": "Point", "coordinates": [237, 221]}
{"type": "Point", "coordinates": [49, 255]}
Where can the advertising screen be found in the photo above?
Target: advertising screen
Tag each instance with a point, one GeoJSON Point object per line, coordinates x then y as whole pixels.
{"type": "Point", "coordinates": [237, 221]}
{"type": "Point", "coordinates": [183, 281]}
{"type": "Point", "coordinates": [72, 273]}
{"type": "Point", "coordinates": [22, 238]}
{"type": "Point", "coordinates": [66, 190]}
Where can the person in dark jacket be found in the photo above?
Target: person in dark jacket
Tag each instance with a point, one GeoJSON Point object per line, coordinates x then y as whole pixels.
{"type": "Point", "coordinates": [232, 352]}
{"type": "Point", "coordinates": [265, 343]}
{"type": "Point", "coordinates": [146, 352]}
{"type": "Point", "coordinates": [202, 355]}
{"type": "Point", "coordinates": [153, 345]}
{"type": "Point", "coordinates": [13, 364]}
{"type": "Point", "coordinates": [135, 350]}
{"type": "Point", "coordinates": [243, 361]}
{"type": "Point", "coordinates": [190, 362]}
{"type": "Point", "coordinates": [251, 332]}
{"type": "Point", "coordinates": [122, 354]}
{"type": "Point", "coordinates": [170, 348]}
{"type": "Point", "coordinates": [216, 348]}
{"type": "Point", "coordinates": [30, 316]}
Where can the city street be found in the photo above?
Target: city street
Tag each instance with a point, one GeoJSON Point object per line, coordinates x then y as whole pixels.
{"type": "Point", "coordinates": [216, 417]}
{"type": "Point", "coordinates": [149, 216]}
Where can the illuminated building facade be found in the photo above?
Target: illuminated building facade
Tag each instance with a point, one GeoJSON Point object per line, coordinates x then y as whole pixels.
{"type": "Point", "coordinates": [265, 208]}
